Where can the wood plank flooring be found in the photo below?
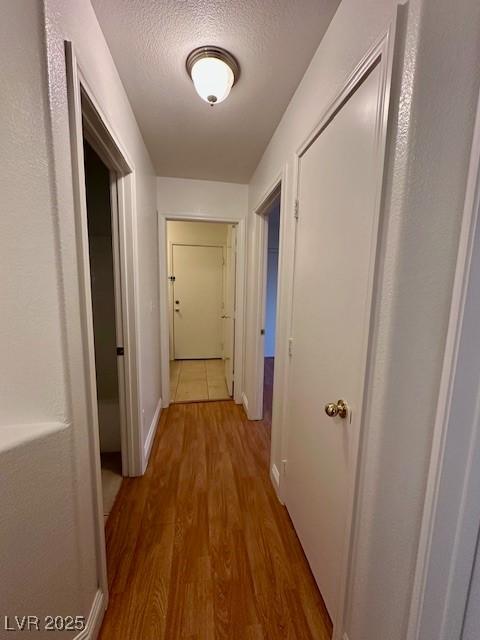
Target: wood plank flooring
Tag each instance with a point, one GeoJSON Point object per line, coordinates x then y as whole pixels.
{"type": "Point", "coordinates": [199, 548]}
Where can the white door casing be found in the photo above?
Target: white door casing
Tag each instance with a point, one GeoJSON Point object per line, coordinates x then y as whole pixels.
{"type": "Point", "coordinates": [338, 185]}
{"type": "Point", "coordinates": [197, 301]}
{"type": "Point", "coordinates": [229, 307]}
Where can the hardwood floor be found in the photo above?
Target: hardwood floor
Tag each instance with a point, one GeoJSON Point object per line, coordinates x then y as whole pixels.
{"type": "Point", "coordinates": [199, 548]}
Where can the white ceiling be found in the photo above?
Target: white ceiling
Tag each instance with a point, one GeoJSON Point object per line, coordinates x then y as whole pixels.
{"type": "Point", "coordinates": [273, 40]}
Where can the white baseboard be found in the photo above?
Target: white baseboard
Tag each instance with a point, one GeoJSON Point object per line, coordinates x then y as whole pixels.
{"type": "Point", "coordinates": [95, 618]}
{"type": "Point", "coordinates": [245, 402]}
{"type": "Point", "coordinates": [276, 476]}
{"type": "Point", "coordinates": [147, 447]}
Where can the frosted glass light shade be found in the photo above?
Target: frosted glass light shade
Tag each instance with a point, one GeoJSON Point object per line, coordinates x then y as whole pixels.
{"type": "Point", "coordinates": [213, 79]}
{"type": "Point", "coordinates": [213, 71]}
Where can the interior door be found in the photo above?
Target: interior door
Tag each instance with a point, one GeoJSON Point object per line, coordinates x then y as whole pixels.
{"type": "Point", "coordinates": [197, 301]}
{"type": "Point", "coordinates": [229, 306]}
{"type": "Point", "coordinates": [336, 241]}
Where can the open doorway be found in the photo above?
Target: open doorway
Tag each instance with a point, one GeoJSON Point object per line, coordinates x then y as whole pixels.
{"type": "Point", "coordinates": [106, 309]}
{"type": "Point", "coordinates": [271, 288]}
{"type": "Point", "coordinates": [201, 266]}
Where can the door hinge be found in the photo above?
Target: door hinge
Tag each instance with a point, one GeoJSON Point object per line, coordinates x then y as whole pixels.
{"type": "Point", "coordinates": [290, 347]}
{"type": "Point", "coordinates": [120, 351]}
{"type": "Point", "coordinates": [284, 467]}
{"type": "Point", "coordinates": [296, 212]}
{"type": "Point", "coordinates": [171, 278]}
{"type": "Point", "coordinates": [262, 332]}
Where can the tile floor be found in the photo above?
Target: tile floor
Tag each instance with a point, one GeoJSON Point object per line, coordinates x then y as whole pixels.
{"type": "Point", "coordinates": [197, 380]}
{"type": "Point", "coordinates": [111, 480]}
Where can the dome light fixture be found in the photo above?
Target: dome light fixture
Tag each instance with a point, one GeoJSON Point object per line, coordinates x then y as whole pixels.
{"type": "Point", "coordinates": [213, 71]}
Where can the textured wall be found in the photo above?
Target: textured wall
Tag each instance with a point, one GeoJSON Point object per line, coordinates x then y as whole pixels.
{"type": "Point", "coordinates": [30, 335]}
{"type": "Point", "coordinates": [46, 567]}
{"type": "Point", "coordinates": [438, 92]}
{"type": "Point", "coordinates": [435, 90]}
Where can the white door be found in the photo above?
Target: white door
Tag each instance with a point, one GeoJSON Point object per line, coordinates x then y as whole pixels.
{"type": "Point", "coordinates": [229, 307]}
{"type": "Point", "coordinates": [336, 242]}
{"type": "Point", "coordinates": [197, 301]}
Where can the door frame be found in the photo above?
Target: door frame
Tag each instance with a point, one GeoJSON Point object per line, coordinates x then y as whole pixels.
{"type": "Point", "coordinates": [254, 406]}
{"type": "Point", "coordinates": [172, 309]}
{"type": "Point", "coordinates": [451, 516]}
{"type": "Point", "coordinates": [380, 54]}
{"type": "Point", "coordinates": [87, 120]}
{"type": "Point", "coordinates": [164, 298]}
{"type": "Point", "coordinates": [283, 184]}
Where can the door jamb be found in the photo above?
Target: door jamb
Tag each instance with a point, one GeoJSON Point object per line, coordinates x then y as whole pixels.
{"type": "Point", "coordinates": [86, 118]}
{"type": "Point", "coordinates": [253, 397]}
{"type": "Point", "coordinates": [164, 301]}
{"type": "Point", "coordinates": [119, 324]}
{"type": "Point", "coordinates": [99, 134]}
{"type": "Point", "coordinates": [259, 293]}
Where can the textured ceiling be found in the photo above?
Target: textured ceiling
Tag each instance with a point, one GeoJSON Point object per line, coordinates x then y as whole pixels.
{"type": "Point", "coordinates": [273, 40]}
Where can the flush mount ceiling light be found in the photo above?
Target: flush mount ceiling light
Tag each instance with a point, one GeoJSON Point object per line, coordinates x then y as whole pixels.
{"type": "Point", "coordinates": [213, 71]}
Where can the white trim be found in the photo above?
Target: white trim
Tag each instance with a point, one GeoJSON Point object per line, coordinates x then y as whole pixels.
{"type": "Point", "coordinates": [95, 618]}
{"type": "Point", "coordinates": [275, 476]}
{"type": "Point", "coordinates": [102, 137]}
{"type": "Point", "coordinates": [257, 290]}
{"type": "Point", "coordinates": [147, 449]}
{"type": "Point", "coordinates": [119, 334]}
{"type": "Point", "coordinates": [84, 303]}
{"type": "Point", "coordinates": [78, 308]}
{"type": "Point", "coordinates": [283, 343]}
{"type": "Point", "coordinates": [452, 464]}
{"type": "Point", "coordinates": [164, 301]}
{"type": "Point", "coordinates": [284, 182]}
{"type": "Point", "coordinates": [245, 403]}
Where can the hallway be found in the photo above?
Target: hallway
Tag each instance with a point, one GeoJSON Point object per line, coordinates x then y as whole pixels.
{"type": "Point", "coordinates": [200, 547]}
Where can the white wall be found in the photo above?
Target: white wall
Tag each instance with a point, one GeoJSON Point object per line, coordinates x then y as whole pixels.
{"type": "Point", "coordinates": [177, 196]}
{"type": "Point", "coordinates": [210, 234]}
{"type": "Point", "coordinates": [40, 544]}
{"type": "Point", "coordinates": [435, 87]}
{"type": "Point", "coordinates": [471, 628]}
{"type": "Point", "coordinates": [272, 280]}
{"type": "Point", "coordinates": [202, 199]}
{"type": "Point", "coordinates": [47, 505]}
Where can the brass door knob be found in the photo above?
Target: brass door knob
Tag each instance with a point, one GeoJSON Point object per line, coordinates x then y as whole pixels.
{"type": "Point", "coordinates": [339, 409]}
